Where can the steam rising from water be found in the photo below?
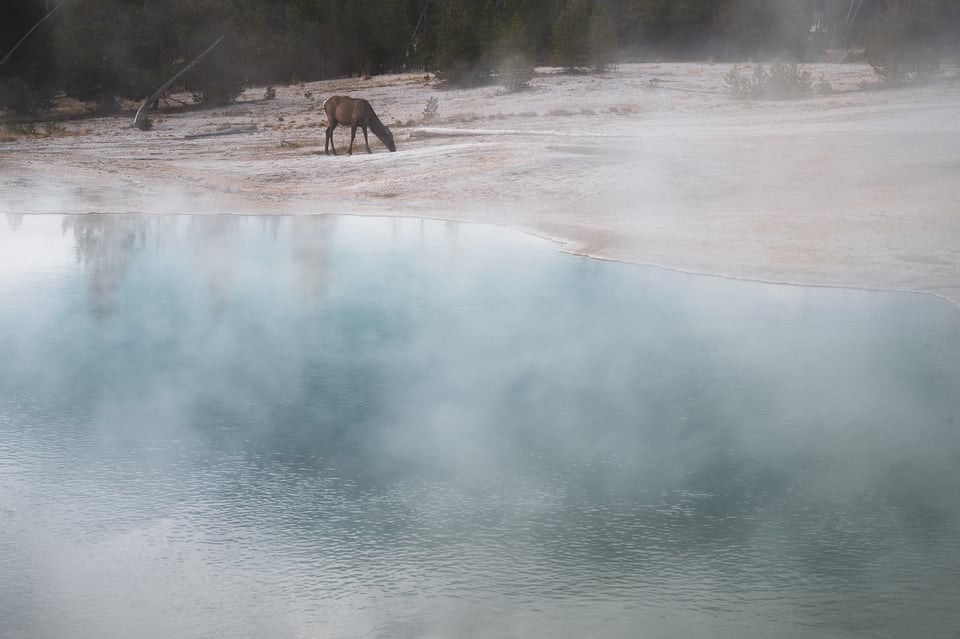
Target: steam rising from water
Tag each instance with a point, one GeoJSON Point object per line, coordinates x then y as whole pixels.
{"type": "Point", "coordinates": [222, 426]}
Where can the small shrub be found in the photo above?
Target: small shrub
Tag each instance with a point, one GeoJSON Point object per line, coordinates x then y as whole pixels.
{"type": "Point", "coordinates": [431, 109]}
{"type": "Point", "coordinates": [788, 81]}
{"type": "Point", "coordinates": [780, 82]}
{"type": "Point", "coordinates": [53, 129]}
{"type": "Point", "coordinates": [217, 92]}
{"type": "Point", "coordinates": [10, 132]}
{"type": "Point", "coordinates": [28, 130]}
{"type": "Point", "coordinates": [145, 123]}
{"type": "Point", "coordinates": [516, 71]}
{"type": "Point", "coordinates": [270, 92]}
{"type": "Point", "coordinates": [308, 95]}
{"type": "Point", "coordinates": [823, 86]}
{"type": "Point", "coordinates": [741, 86]}
{"type": "Point", "coordinates": [625, 109]}
{"type": "Point", "coordinates": [15, 130]}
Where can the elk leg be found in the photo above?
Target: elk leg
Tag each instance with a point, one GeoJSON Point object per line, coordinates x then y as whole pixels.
{"type": "Point", "coordinates": [365, 140]}
{"type": "Point", "coordinates": [329, 140]}
{"type": "Point", "coordinates": [353, 134]}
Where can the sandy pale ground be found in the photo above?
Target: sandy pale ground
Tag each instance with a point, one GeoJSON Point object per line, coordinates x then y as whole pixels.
{"type": "Point", "coordinates": [651, 164]}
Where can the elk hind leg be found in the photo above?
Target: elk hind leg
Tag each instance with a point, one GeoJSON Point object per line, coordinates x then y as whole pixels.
{"type": "Point", "coordinates": [329, 140]}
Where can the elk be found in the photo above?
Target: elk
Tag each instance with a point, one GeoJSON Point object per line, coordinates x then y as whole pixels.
{"type": "Point", "coordinates": [354, 112]}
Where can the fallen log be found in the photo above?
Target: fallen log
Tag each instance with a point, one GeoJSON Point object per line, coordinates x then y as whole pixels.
{"type": "Point", "coordinates": [233, 131]}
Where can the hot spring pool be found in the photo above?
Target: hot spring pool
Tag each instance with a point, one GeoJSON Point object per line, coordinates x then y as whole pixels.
{"type": "Point", "coordinates": [350, 427]}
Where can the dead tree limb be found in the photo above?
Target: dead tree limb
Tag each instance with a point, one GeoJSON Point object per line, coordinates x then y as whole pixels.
{"type": "Point", "coordinates": [166, 85]}
{"type": "Point", "coordinates": [233, 131]}
{"type": "Point", "coordinates": [32, 29]}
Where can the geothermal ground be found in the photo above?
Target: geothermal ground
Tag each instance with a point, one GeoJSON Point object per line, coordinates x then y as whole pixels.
{"type": "Point", "coordinates": [649, 163]}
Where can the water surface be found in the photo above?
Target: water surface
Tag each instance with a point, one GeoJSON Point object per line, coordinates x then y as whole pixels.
{"type": "Point", "coordinates": [348, 427]}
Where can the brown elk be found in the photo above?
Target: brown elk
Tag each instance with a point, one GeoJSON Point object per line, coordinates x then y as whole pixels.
{"type": "Point", "coordinates": [354, 112]}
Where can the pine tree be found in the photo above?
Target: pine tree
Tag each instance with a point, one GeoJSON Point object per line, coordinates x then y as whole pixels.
{"type": "Point", "coordinates": [571, 35]}
{"type": "Point", "coordinates": [899, 44]}
{"type": "Point", "coordinates": [512, 55]}
{"type": "Point", "coordinates": [603, 38]}
{"type": "Point", "coordinates": [102, 51]}
{"type": "Point", "coordinates": [459, 49]}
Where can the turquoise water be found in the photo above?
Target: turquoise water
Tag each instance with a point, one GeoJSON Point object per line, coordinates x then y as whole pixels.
{"type": "Point", "coordinates": [349, 427]}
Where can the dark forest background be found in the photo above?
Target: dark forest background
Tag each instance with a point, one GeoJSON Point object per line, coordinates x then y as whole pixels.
{"type": "Point", "coordinates": [103, 50]}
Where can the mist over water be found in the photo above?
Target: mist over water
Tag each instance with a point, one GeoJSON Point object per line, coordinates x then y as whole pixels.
{"type": "Point", "coordinates": [344, 427]}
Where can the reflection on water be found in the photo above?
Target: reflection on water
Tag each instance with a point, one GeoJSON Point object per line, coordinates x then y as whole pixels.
{"type": "Point", "coordinates": [340, 427]}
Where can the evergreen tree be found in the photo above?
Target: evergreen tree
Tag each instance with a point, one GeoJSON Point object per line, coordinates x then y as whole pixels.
{"type": "Point", "coordinates": [539, 18]}
{"type": "Point", "coordinates": [571, 35]}
{"type": "Point", "coordinates": [603, 38]}
{"type": "Point", "coordinates": [764, 28]}
{"type": "Point", "coordinates": [899, 45]}
{"type": "Point", "coordinates": [459, 48]}
{"type": "Point", "coordinates": [220, 77]}
{"type": "Point", "coordinates": [101, 51]}
{"type": "Point", "coordinates": [512, 55]}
